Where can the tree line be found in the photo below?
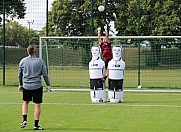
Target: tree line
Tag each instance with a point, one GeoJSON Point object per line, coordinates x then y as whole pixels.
{"type": "Point", "coordinates": [81, 18]}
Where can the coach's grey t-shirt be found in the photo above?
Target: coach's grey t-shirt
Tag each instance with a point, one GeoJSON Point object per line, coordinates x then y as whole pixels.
{"type": "Point", "coordinates": [30, 70]}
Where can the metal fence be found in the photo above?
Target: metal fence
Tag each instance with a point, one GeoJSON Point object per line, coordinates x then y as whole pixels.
{"type": "Point", "coordinates": [24, 21]}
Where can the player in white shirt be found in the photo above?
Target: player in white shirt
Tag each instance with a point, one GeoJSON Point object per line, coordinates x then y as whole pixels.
{"type": "Point", "coordinates": [115, 74]}
{"type": "Point", "coordinates": [96, 70]}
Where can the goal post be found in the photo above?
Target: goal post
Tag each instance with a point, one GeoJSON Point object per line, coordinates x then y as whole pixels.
{"type": "Point", "coordinates": [151, 61]}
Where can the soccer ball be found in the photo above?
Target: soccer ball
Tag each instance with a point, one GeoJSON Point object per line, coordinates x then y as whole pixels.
{"type": "Point", "coordinates": [101, 8]}
{"type": "Point", "coordinates": [139, 87]}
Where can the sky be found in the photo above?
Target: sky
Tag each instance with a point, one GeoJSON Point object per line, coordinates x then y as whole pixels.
{"type": "Point", "coordinates": [35, 14]}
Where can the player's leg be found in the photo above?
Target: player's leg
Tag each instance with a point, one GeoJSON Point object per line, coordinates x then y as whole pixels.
{"type": "Point", "coordinates": [37, 113]}
{"type": "Point", "coordinates": [37, 99]}
{"type": "Point", "coordinates": [106, 63]}
{"type": "Point", "coordinates": [26, 98]}
{"type": "Point", "coordinates": [24, 113]}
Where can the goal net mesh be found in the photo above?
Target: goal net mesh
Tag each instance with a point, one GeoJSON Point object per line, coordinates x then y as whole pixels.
{"type": "Point", "coordinates": [153, 62]}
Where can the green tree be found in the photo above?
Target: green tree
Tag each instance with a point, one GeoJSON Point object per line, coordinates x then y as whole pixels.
{"type": "Point", "coordinates": [19, 35]}
{"type": "Point", "coordinates": [13, 9]}
{"type": "Point", "coordinates": [158, 17]}
{"type": "Point", "coordinates": [73, 18]}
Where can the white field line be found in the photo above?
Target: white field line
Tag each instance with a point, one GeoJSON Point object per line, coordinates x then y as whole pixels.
{"type": "Point", "coordinates": [99, 104]}
{"type": "Point", "coordinates": [88, 90]}
{"type": "Point", "coordinates": [146, 91]}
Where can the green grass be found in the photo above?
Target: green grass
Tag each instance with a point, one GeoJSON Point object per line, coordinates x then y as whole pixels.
{"type": "Point", "coordinates": [73, 112]}
{"type": "Point", "coordinates": [78, 78]}
{"type": "Point", "coordinates": [67, 68]}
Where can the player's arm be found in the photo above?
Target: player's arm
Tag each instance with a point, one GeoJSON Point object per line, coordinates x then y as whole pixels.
{"type": "Point", "coordinates": [99, 35]}
{"type": "Point", "coordinates": [20, 77]}
{"type": "Point", "coordinates": [106, 33]}
{"type": "Point", "coordinates": [45, 74]}
{"type": "Point", "coordinates": [46, 78]}
{"type": "Point", "coordinates": [20, 73]}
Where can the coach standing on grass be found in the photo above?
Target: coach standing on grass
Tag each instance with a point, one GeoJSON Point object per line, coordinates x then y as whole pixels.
{"type": "Point", "coordinates": [105, 45]}
{"type": "Point", "coordinates": [30, 70]}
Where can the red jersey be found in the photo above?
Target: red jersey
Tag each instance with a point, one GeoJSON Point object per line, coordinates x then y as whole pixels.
{"type": "Point", "coordinates": [106, 50]}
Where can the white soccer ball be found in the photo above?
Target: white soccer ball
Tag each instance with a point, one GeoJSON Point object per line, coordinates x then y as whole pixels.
{"type": "Point", "coordinates": [139, 87]}
{"type": "Point", "coordinates": [101, 8]}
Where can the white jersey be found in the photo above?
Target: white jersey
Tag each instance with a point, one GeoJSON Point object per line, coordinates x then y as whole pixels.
{"type": "Point", "coordinates": [116, 69]}
{"type": "Point", "coordinates": [96, 68]}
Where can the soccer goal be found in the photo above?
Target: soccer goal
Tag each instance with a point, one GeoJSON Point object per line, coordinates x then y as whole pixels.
{"type": "Point", "coordinates": [152, 62]}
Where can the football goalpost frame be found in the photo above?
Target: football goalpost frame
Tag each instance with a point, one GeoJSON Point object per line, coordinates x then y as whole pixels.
{"type": "Point", "coordinates": [111, 37]}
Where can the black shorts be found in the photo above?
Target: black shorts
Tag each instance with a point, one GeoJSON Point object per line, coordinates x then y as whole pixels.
{"type": "Point", "coordinates": [96, 84]}
{"type": "Point", "coordinates": [106, 62]}
{"type": "Point", "coordinates": [115, 85]}
{"type": "Point", "coordinates": [33, 95]}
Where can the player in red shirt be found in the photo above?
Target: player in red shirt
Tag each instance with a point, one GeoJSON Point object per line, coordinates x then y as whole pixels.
{"type": "Point", "coordinates": [105, 46]}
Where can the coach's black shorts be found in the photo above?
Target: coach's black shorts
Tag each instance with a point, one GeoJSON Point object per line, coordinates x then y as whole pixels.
{"type": "Point", "coordinates": [33, 95]}
{"type": "Point", "coordinates": [115, 85]}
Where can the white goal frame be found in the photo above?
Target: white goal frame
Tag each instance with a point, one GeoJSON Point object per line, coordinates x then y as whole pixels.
{"type": "Point", "coordinates": [111, 37]}
{"type": "Point", "coordinates": [94, 37]}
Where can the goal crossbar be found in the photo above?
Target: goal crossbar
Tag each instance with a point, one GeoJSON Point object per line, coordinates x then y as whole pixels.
{"type": "Point", "coordinates": [94, 37]}
{"type": "Point", "coordinates": [118, 37]}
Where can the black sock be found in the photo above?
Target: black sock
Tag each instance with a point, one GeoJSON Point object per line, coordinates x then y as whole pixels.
{"type": "Point", "coordinates": [24, 117]}
{"type": "Point", "coordinates": [36, 123]}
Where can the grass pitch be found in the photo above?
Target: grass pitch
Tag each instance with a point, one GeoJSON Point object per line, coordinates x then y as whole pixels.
{"type": "Point", "coordinates": [73, 112]}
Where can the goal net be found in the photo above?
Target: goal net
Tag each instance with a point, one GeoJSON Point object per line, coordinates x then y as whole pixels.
{"type": "Point", "coordinates": [154, 62]}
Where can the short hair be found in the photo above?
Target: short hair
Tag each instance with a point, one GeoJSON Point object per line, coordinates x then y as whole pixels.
{"type": "Point", "coordinates": [31, 49]}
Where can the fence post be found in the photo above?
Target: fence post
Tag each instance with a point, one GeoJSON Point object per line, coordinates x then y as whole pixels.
{"type": "Point", "coordinates": [139, 43]}
{"type": "Point", "coordinates": [3, 50]}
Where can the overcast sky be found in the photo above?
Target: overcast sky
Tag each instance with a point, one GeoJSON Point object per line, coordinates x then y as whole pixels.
{"type": "Point", "coordinates": [35, 11]}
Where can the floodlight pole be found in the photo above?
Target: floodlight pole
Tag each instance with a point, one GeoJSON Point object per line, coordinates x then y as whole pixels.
{"type": "Point", "coordinates": [29, 22]}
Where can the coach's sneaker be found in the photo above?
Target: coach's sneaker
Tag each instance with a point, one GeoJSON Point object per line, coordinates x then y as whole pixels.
{"type": "Point", "coordinates": [23, 124]}
{"type": "Point", "coordinates": [38, 128]}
